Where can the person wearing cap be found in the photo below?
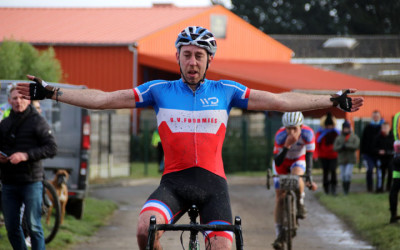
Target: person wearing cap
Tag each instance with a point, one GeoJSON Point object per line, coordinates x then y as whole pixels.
{"type": "Point", "coordinates": [192, 114]}
{"type": "Point", "coordinates": [325, 137]}
{"type": "Point", "coordinates": [346, 144]}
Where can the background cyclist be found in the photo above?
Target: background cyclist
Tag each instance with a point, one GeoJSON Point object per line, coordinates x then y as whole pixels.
{"type": "Point", "coordinates": [192, 133]}
{"type": "Point", "coordinates": [293, 154]}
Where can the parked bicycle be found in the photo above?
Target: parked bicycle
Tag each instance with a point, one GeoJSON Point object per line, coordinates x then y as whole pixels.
{"type": "Point", "coordinates": [194, 227]}
{"type": "Point", "coordinates": [50, 199]}
{"type": "Point", "coordinates": [290, 184]}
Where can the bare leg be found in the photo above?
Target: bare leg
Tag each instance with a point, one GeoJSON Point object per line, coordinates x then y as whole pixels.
{"type": "Point", "coordinates": [143, 227]}
{"type": "Point", "coordinates": [279, 195]}
{"type": "Point", "coordinates": [219, 243]}
{"type": "Point", "coordinates": [299, 171]}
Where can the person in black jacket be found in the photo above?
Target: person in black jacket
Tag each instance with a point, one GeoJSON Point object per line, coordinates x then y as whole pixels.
{"type": "Point", "coordinates": [367, 147]}
{"type": "Point", "coordinates": [384, 149]}
{"type": "Point", "coordinates": [25, 139]}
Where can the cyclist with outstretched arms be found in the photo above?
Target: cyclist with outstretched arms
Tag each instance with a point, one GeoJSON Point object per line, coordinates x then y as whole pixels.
{"type": "Point", "coordinates": [293, 154]}
{"type": "Point", "coordinates": [192, 115]}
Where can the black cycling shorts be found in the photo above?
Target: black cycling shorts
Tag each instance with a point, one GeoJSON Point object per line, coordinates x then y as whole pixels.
{"type": "Point", "coordinates": [178, 191]}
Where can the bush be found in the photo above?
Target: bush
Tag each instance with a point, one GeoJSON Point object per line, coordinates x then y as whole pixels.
{"type": "Point", "coordinates": [17, 59]}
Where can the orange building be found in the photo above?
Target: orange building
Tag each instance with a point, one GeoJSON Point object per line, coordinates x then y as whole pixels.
{"type": "Point", "coordinates": [118, 48]}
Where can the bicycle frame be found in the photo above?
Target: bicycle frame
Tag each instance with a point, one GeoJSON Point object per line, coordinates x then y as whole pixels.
{"type": "Point", "coordinates": [194, 228]}
{"type": "Point", "coordinates": [289, 184]}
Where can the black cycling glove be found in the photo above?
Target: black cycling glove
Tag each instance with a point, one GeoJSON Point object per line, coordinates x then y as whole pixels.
{"type": "Point", "coordinates": [309, 179]}
{"type": "Point", "coordinates": [40, 90]}
{"type": "Point", "coordinates": [342, 101]}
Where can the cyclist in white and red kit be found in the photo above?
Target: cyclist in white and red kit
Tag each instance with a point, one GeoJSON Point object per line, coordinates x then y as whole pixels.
{"type": "Point", "coordinates": [293, 154]}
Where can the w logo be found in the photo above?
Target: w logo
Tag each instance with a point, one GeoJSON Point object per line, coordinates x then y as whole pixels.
{"type": "Point", "coordinates": [211, 101]}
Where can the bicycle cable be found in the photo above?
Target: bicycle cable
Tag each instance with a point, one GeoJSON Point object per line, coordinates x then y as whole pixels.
{"type": "Point", "coordinates": [182, 240]}
{"type": "Point", "coordinates": [208, 247]}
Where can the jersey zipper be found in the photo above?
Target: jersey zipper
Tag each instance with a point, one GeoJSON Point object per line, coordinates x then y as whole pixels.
{"type": "Point", "coordinates": [195, 126]}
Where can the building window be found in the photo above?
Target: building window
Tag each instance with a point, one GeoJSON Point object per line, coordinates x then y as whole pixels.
{"type": "Point", "coordinates": [218, 25]}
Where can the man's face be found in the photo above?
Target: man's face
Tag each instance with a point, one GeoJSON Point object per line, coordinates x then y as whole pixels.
{"type": "Point", "coordinates": [193, 62]}
{"type": "Point", "coordinates": [385, 129]}
{"type": "Point", "coordinates": [36, 104]}
{"type": "Point", "coordinates": [346, 130]}
{"type": "Point", "coordinates": [293, 129]}
{"type": "Point", "coordinates": [376, 116]}
{"type": "Point", "coordinates": [18, 103]}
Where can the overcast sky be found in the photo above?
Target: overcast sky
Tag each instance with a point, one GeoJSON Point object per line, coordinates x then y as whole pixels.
{"type": "Point", "coordinates": [104, 3]}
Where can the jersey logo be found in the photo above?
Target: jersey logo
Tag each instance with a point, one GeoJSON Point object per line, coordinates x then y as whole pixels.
{"type": "Point", "coordinates": [183, 121]}
{"type": "Point", "coordinates": [208, 102]}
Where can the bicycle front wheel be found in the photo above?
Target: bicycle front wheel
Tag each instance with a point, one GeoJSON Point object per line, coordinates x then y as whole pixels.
{"type": "Point", "coordinates": [289, 215]}
{"type": "Point", "coordinates": [51, 212]}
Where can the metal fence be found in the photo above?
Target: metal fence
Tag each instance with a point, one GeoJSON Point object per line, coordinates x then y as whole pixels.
{"type": "Point", "coordinates": [248, 142]}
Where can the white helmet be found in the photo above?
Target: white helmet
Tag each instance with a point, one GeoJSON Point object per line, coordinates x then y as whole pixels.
{"type": "Point", "coordinates": [198, 36]}
{"type": "Point", "coordinates": [292, 119]}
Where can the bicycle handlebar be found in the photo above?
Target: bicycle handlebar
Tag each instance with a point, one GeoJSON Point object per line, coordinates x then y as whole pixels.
{"type": "Point", "coordinates": [236, 229]}
{"type": "Point", "coordinates": [312, 187]}
{"type": "Point", "coordinates": [196, 227]}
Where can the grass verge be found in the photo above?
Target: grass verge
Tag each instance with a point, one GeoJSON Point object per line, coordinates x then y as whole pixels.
{"type": "Point", "coordinates": [74, 231]}
{"type": "Point", "coordinates": [367, 214]}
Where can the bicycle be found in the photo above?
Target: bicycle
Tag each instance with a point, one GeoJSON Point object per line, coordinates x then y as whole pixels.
{"type": "Point", "coordinates": [194, 227]}
{"type": "Point", "coordinates": [50, 199]}
{"type": "Point", "coordinates": [289, 221]}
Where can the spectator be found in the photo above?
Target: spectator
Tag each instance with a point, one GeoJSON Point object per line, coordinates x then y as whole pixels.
{"type": "Point", "coordinates": [394, 190]}
{"type": "Point", "coordinates": [36, 105]}
{"type": "Point", "coordinates": [325, 138]}
{"type": "Point", "coordinates": [25, 137]}
{"type": "Point", "coordinates": [5, 108]}
{"type": "Point", "coordinates": [384, 150]}
{"type": "Point", "coordinates": [156, 142]}
{"type": "Point", "coordinates": [370, 133]}
{"type": "Point", "coordinates": [396, 126]}
{"type": "Point", "coordinates": [346, 145]}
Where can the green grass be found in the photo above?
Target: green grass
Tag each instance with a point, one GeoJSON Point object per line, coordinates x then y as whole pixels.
{"type": "Point", "coordinates": [74, 231]}
{"type": "Point", "coordinates": [138, 170]}
{"type": "Point", "coordinates": [368, 215]}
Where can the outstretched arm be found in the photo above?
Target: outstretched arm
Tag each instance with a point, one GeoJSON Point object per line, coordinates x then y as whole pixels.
{"type": "Point", "coordinates": [290, 101]}
{"type": "Point", "coordinates": [85, 98]}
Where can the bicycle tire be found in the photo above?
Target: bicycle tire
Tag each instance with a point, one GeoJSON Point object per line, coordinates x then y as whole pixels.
{"type": "Point", "coordinates": [50, 230]}
{"type": "Point", "coordinates": [289, 220]}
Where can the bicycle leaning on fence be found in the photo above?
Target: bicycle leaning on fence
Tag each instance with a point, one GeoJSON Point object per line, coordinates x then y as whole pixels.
{"type": "Point", "coordinates": [51, 204]}
{"type": "Point", "coordinates": [289, 183]}
{"type": "Point", "coordinates": [194, 227]}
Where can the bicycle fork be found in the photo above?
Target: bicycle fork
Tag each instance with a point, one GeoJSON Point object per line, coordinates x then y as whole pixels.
{"type": "Point", "coordinates": [194, 243]}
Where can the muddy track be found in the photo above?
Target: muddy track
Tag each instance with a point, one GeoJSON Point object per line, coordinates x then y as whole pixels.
{"type": "Point", "coordinates": [250, 200]}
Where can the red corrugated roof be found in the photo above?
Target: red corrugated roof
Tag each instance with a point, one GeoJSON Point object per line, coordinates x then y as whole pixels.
{"type": "Point", "coordinates": [288, 76]}
{"type": "Point", "coordinates": [277, 76]}
{"type": "Point", "coordinates": [88, 25]}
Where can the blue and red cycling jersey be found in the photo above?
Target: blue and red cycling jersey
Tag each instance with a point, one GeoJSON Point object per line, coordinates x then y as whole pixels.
{"type": "Point", "coordinates": [192, 124]}
{"type": "Point", "coordinates": [296, 155]}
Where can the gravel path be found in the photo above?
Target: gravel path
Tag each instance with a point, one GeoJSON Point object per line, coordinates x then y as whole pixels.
{"type": "Point", "coordinates": [250, 200]}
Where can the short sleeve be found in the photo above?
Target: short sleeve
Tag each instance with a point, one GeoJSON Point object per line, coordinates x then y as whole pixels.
{"type": "Point", "coordinates": [309, 139]}
{"type": "Point", "coordinates": [239, 94]}
{"type": "Point", "coordinates": [280, 138]}
{"type": "Point", "coordinates": [144, 95]}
